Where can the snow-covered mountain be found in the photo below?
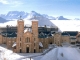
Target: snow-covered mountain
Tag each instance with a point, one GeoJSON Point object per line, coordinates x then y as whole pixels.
{"type": "Point", "coordinates": [61, 18]}
{"type": "Point", "coordinates": [42, 20]}
{"type": "Point", "coordinates": [2, 20]}
{"type": "Point", "coordinates": [33, 15]}
{"type": "Point", "coordinates": [14, 15]}
{"type": "Point", "coordinates": [49, 17]}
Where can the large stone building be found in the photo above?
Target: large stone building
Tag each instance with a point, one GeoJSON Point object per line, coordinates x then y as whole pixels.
{"type": "Point", "coordinates": [26, 40]}
{"type": "Point", "coordinates": [33, 39]}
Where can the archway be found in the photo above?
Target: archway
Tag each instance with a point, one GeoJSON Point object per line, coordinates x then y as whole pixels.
{"type": "Point", "coordinates": [20, 51]}
{"type": "Point", "coordinates": [27, 49]}
{"type": "Point", "coordinates": [34, 50]}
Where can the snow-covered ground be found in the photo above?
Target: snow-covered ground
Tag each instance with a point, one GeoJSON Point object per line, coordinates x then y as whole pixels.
{"type": "Point", "coordinates": [63, 53]}
{"type": "Point", "coordinates": [9, 55]}
{"type": "Point", "coordinates": [59, 53]}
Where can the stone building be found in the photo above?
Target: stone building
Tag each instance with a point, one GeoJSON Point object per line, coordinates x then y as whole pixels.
{"type": "Point", "coordinates": [27, 40]}
{"type": "Point", "coordinates": [72, 35]}
{"type": "Point", "coordinates": [65, 37]}
{"type": "Point", "coordinates": [78, 37]}
{"type": "Point", "coordinates": [57, 39]}
{"type": "Point", "coordinates": [33, 39]}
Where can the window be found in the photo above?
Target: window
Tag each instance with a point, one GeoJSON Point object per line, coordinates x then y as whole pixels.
{"type": "Point", "coordinates": [15, 47]}
{"type": "Point", "coordinates": [20, 39]}
{"type": "Point", "coordinates": [65, 40]}
{"type": "Point", "coordinates": [27, 39]}
{"type": "Point", "coordinates": [34, 44]}
{"type": "Point", "coordinates": [34, 39]}
{"type": "Point", "coordinates": [50, 42]}
{"type": "Point", "coordinates": [20, 44]}
{"type": "Point", "coordinates": [40, 47]}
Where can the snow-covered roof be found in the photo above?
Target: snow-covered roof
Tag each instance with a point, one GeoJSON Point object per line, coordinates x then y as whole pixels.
{"type": "Point", "coordinates": [28, 29]}
{"type": "Point", "coordinates": [40, 44]}
{"type": "Point", "coordinates": [14, 44]}
{"type": "Point", "coordinates": [34, 20]}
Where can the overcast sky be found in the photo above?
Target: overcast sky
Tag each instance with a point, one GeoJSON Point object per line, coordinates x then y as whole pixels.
{"type": "Point", "coordinates": [68, 8]}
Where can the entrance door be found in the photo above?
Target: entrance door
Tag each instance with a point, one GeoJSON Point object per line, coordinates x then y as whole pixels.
{"type": "Point", "coordinates": [20, 51]}
{"type": "Point", "coordinates": [27, 49]}
{"type": "Point", "coordinates": [34, 50]}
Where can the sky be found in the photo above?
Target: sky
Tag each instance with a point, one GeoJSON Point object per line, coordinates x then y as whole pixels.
{"type": "Point", "coordinates": [67, 8]}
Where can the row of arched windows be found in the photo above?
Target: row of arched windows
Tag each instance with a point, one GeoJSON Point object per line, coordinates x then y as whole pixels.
{"type": "Point", "coordinates": [27, 39]}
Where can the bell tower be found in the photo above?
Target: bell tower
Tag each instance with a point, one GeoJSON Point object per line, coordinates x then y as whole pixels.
{"type": "Point", "coordinates": [20, 32]}
{"type": "Point", "coordinates": [35, 44]}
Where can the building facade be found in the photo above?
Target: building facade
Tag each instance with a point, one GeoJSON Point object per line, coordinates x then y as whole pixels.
{"type": "Point", "coordinates": [33, 39]}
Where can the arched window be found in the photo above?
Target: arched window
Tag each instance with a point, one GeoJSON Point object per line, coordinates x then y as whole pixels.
{"type": "Point", "coordinates": [34, 44]}
{"type": "Point", "coordinates": [20, 44]}
{"type": "Point", "coordinates": [27, 40]}
{"type": "Point", "coordinates": [34, 39]}
{"type": "Point", "coordinates": [20, 39]}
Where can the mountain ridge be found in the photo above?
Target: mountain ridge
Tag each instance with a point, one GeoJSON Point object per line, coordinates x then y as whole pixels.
{"type": "Point", "coordinates": [16, 14]}
{"type": "Point", "coordinates": [42, 18]}
{"type": "Point", "coordinates": [2, 20]}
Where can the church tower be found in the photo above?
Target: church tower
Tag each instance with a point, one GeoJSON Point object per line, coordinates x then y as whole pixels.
{"type": "Point", "coordinates": [20, 32]}
{"type": "Point", "coordinates": [35, 45]}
